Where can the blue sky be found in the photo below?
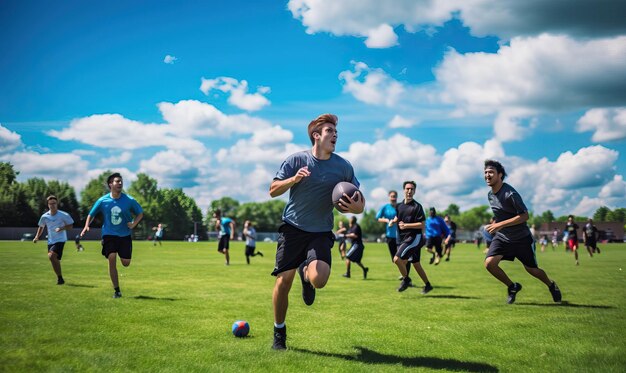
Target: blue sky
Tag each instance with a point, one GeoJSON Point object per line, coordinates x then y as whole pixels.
{"type": "Point", "coordinates": [211, 96]}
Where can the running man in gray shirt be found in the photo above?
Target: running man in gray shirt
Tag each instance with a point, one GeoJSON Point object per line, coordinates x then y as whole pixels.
{"type": "Point", "coordinates": [511, 236]}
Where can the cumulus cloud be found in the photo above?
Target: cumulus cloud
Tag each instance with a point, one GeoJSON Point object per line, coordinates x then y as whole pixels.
{"type": "Point", "coordinates": [381, 37]}
{"type": "Point", "coordinates": [9, 140]}
{"type": "Point", "coordinates": [616, 188]}
{"type": "Point", "coordinates": [268, 146]}
{"type": "Point", "coordinates": [170, 59]}
{"type": "Point", "coordinates": [607, 124]}
{"type": "Point", "coordinates": [172, 169]}
{"type": "Point", "coordinates": [400, 122]}
{"type": "Point", "coordinates": [116, 159]}
{"type": "Point", "coordinates": [238, 91]}
{"type": "Point", "coordinates": [372, 86]}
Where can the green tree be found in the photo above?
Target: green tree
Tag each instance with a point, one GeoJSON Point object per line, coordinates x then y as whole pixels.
{"type": "Point", "coordinates": [452, 210]}
{"type": "Point", "coordinates": [600, 214]}
{"type": "Point", "coordinates": [266, 216]}
{"type": "Point", "coordinates": [370, 225]}
{"type": "Point", "coordinates": [94, 189]}
{"type": "Point", "coordinates": [473, 218]}
{"type": "Point", "coordinates": [146, 192]}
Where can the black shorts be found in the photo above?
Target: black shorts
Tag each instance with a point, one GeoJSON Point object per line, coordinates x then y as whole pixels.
{"type": "Point", "coordinates": [436, 242]}
{"type": "Point", "coordinates": [224, 243]}
{"type": "Point", "coordinates": [250, 250]}
{"type": "Point", "coordinates": [355, 254]}
{"type": "Point", "coordinates": [522, 250]}
{"type": "Point", "coordinates": [410, 248]}
{"type": "Point", "coordinates": [296, 246]}
{"type": "Point", "coordinates": [591, 243]}
{"type": "Point", "coordinates": [122, 245]}
{"type": "Point", "coordinates": [392, 245]}
{"type": "Point", "coordinates": [450, 243]}
{"type": "Point", "coordinates": [57, 248]}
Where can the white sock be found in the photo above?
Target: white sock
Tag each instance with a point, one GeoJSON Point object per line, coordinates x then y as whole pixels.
{"type": "Point", "coordinates": [279, 326]}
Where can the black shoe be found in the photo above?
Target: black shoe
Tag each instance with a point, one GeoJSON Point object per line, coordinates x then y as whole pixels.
{"type": "Point", "coordinates": [280, 338]}
{"type": "Point", "coordinates": [308, 291]}
{"type": "Point", "coordinates": [427, 288]}
{"type": "Point", "coordinates": [555, 291]}
{"type": "Point", "coordinates": [365, 273]}
{"type": "Point", "coordinates": [432, 260]}
{"type": "Point", "coordinates": [346, 275]}
{"type": "Point", "coordinates": [400, 278]}
{"type": "Point", "coordinates": [260, 253]}
{"type": "Point", "coordinates": [406, 282]}
{"type": "Point", "coordinates": [117, 294]}
{"type": "Point", "coordinates": [60, 281]}
{"type": "Point", "coordinates": [447, 259]}
{"type": "Point", "coordinates": [513, 290]}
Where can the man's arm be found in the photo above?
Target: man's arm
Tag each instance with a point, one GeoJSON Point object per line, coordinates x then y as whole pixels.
{"type": "Point", "coordinates": [403, 225]}
{"type": "Point", "coordinates": [87, 222]}
{"type": "Point", "coordinates": [39, 232]}
{"type": "Point", "coordinates": [232, 230]}
{"type": "Point", "coordinates": [63, 228]}
{"type": "Point", "coordinates": [517, 219]}
{"type": "Point", "coordinates": [135, 221]}
{"type": "Point", "coordinates": [278, 187]}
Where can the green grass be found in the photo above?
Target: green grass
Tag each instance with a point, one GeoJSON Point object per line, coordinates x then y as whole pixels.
{"type": "Point", "coordinates": [180, 301]}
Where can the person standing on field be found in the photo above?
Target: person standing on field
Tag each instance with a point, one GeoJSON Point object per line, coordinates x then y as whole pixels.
{"type": "Point", "coordinates": [250, 234]}
{"type": "Point", "coordinates": [117, 209]}
{"type": "Point", "coordinates": [386, 215]}
{"type": "Point", "coordinates": [57, 222]}
{"type": "Point", "coordinates": [355, 254]}
{"type": "Point", "coordinates": [306, 238]}
{"type": "Point", "coordinates": [511, 236]}
{"type": "Point", "coordinates": [572, 236]}
{"type": "Point", "coordinates": [226, 232]}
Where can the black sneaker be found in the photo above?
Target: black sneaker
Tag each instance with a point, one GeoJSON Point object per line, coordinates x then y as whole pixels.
{"type": "Point", "coordinates": [427, 288]}
{"type": "Point", "coordinates": [367, 269]}
{"type": "Point", "coordinates": [513, 290]}
{"type": "Point", "coordinates": [60, 281]}
{"type": "Point", "coordinates": [406, 282]}
{"type": "Point", "coordinates": [308, 291]}
{"type": "Point", "coordinates": [555, 291]}
{"type": "Point", "coordinates": [260, 253]}
{"type": "Point", "coordinates": [447, 259]}
{"type": "Point", "coordinates": [117, 294]}
{"type": "Point", "coordinates": [346, 275]}
{"type": "Point", "coordinates": [432, 260]}
{"type": "Point", "coordinates": [280, 338]}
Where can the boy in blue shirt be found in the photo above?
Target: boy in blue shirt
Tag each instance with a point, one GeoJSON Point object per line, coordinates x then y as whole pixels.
{"type": "Point", "coordinates": [226, 232]}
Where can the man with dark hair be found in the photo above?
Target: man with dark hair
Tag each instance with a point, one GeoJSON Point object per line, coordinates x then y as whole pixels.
{"type": "Point", "coordinates": [590, 234]}
{"type": "Point", "coordinates": [305, 238]}
{"type": "Point", "coordinates": [386, 215]}
{"type": "Point", "coordinates": [572, 236]}
{"type": "Point", "coordinates": [117, 226]}
{"type": "Point", "coordinates": [57, 222]}
{"type": "Point", "coordinates": [450, 244]}
{"type": "Point", "coordinates": [436, 229]}
{"type": "Point", "coordinates": [355, 254]}
{"type": "Point", "coordinates": [225, 232]}
{"type": "Point", "coordinates": [511, 236]}
{"type": "Point", "coordinates": [410, 219]}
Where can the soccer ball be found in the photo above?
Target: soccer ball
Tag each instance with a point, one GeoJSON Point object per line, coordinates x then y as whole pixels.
{"type": "Point", "coordinates": [241, 328]}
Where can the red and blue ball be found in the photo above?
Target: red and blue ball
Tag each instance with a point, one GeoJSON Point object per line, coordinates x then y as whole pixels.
{"type": "Point", "coordinates": [241, 328]}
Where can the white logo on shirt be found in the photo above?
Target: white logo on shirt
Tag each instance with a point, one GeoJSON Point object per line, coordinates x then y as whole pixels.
{"type": "Point", "coordinates": [116, 219]}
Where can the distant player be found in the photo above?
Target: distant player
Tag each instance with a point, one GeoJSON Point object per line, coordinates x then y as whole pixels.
{"type": "Point", "coordinates": [305, 239]}
{"type": "Point", "coordinates": [79, 246]}
{"type": "Point", "coordinates": [436, 229]}
{"type": "Point", "coordinates": [410, 220]}
{"type": "Point", "coordinates": [340, 237]}
{"type": "Point", "coordinates": [386, 215]}
{"type": "Point", "coordinates": [57, 222]}
{"type": "Point", "coordinates": [572, 236]}
{"type": "Point", "coordinates": [590, 234]}
{"type": "Point", "coordinates": [511, 236]}
{"type": "Point", "coordinates": [544, 242]}
{"type": "Point", "coordinates": [158, 234]}
{"type": "Point", "coordinates": [250, 234]}
{"type": "Point", "coordinates": [355, 254]}
{"type": "Point", "coordinates": [117, 209]}
{"type": "Point", "coordinates": [555, 239]}
{"type": "Point", "coordinates": [226, 232]}
{"type": "Point", "coordinates": [452, 227]}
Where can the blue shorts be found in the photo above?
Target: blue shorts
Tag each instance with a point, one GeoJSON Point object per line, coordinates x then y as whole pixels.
{"type": "Point", "coordinates": [57, 248]}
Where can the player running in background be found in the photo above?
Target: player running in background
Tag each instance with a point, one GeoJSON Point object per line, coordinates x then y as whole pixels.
{"type": "Point", "coordinates": [250, 234]}
{"type": "Point", "coordinates": [450, 244]}
{"type": "Point", "coordinates": [79, 246]}
{"type": "Point", "coordinates": [57, 222]}
{"type": "Point", "coordinates": [117, 226]}
{"type": "Point", "coordinates": [340, 237]}
{"type": "Point", "coordinates": [512, 238]}
{"type": "Point", "coordinates": [355, 254]}
{"type": "Point", "coordinates": [572, 236]}
{"type": "Point", "coordinates": [225, 231]}
{"type": "Point", "coordinates": [590, 234]}
{"type": "Point", "coordinates": [305, 238]}
{"type": "Point", "coordinates": [410, 220]}
{"type": "Point", "coordinates": [436, 228]}
{"type": "Point", "coordinates": [158, 234]}
{"type": "Point", "coordinates": [555, 239]}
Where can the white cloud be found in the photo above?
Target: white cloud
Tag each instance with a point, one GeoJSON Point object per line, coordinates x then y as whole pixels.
{"type": "Point", "coordinates": [9, 140]}
{"type": "Point", "coordinates": [170, 59]}
{"type": "Point", "coordinates": [116, 159]}
{"type": "Point", "coordinates": [238, 91]}
{"type": "Point", "coordinates": [372, 86]}
{"type": "Point", "coordinates": [606, 124]}
{"type": "Point", "coordinates": [616, 188]}
{"type": "Point", "coordinates": [173, 169]}
{"type": "Point", "coordinates": [400, 122]}
{"type": "Point", "coordinates": [381, 37]}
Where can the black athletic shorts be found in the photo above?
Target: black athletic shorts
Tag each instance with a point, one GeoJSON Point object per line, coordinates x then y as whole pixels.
{"type": "Point", "coordinates": [355, 254]}
{"type": "Point", "coordinates": [392, 245]}
{"type": "Point", "coordinates": [591, 243]}
{"type": "Point", "coordinates": [224, 243]}
{"type": "Point", "coordinates": [296, 246]}
{"type": "Point", "coordinates": [410, 248]}
{"type": "Point", "coordinates": [57, 247]}
{"type": "Point", "coordinates": [522, 250]}
{"type": "Point", "coordinates": [450, 243]}
{"type": "Point", "coordinates": [436, 242]}
{"type": "Point", "coordinates": [122, 245]}
{"type": "Point", "coordinates": [250, 250]}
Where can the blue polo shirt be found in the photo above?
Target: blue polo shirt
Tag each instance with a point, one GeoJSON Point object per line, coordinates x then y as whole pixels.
{"type": "Point", "coordinates": [389, 212]}
{"type": "Point", "coordinates": [117, 214]}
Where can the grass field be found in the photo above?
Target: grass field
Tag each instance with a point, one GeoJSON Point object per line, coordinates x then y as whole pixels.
{"type": "Point", "coordinates": [180, 301]}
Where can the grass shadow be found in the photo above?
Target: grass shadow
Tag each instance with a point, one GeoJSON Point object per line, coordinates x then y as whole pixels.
{"type": "Point", "coordinates": [451, 296]}
{"type": "Point", "coordinates": [79, 285]}
{"type": "Point", "coordinates": [365, 355]}
{"type": "Point", "coordinates": [565, 304]}
{"type": "Point", "coordinates": [147, 297]}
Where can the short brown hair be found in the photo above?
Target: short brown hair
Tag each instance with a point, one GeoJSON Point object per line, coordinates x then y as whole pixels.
{"type": "Point", "coordinates": [52, 197]}
{"type": "Point", "coordinates": [316, 124]}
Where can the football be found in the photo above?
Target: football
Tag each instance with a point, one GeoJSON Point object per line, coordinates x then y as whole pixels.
{"type": "Point", "coordinates": [347, 188]}
{"type": "Point", "coordinates": [241, 328]}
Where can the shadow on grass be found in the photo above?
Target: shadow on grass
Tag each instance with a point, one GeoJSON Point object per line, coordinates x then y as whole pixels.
{"type": "Point", "coordinates": [79, 285]}
{"type": "Point", "coordinates": [565, 304]}
{"type": "Point", "coordinates": [451, 297]}
{"type": "Point", "coordinates": [368, 356]}
{"type": "Point", "coordinates": [147, 297]}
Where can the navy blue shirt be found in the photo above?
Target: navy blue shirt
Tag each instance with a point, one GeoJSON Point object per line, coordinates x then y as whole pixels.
{"type": "Point", "coordinates": [411, 212]}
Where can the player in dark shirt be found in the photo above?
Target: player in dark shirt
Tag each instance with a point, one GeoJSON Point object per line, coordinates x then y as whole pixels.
{"type": "Point", "coordinates": [355, 254]}
{"type": "Point", "coordinates": [572, 236]}
{"type": "Point", "coordinates": [511, 237]}
{"type": "Point", "coordinates": [452, 227]}
{"type": "Point", "coordinates": [590, 234]}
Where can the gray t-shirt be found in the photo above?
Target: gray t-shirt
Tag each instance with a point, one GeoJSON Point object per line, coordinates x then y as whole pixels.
{"type": "Point", "coordinates": [505, 204]}
{"type": "Point", "coordinates": [310, 206]}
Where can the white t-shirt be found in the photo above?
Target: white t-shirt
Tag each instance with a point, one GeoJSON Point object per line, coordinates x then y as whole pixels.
{"type": "Point", "coordinates": [58, 220]}
{"type": "Point", "coordinates": [251, 237]}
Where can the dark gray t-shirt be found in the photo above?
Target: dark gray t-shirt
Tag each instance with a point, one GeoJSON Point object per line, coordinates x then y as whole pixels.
{"type": "Point", "coordinates": [505, 204]}
{"type": "Point", "coordinates": [310, 205]}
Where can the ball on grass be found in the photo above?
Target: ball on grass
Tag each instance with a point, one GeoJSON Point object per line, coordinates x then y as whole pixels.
{"type": "Point", "coordinates": [241, 328]}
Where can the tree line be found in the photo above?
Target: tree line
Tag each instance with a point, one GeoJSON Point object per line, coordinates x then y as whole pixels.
{"type": "Point", "coordinates": [22, 203]}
